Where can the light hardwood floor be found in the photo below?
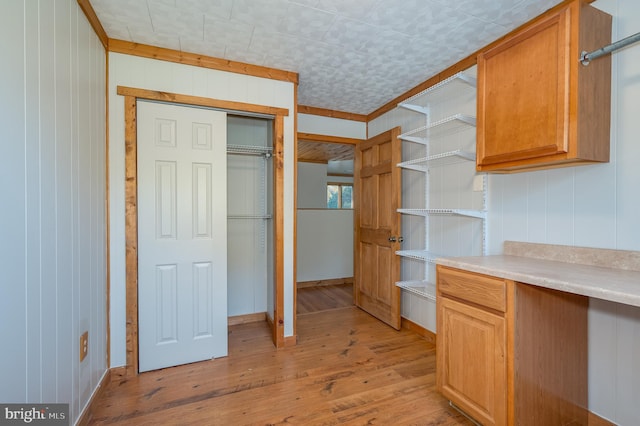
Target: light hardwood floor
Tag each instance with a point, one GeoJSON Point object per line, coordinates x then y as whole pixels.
{"type": "Point", "coordinates": [348, 368]}
{"type": "Point", "coordinates": [324, 297]}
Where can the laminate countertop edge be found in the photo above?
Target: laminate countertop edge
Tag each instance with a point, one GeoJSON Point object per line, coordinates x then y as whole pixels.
{"type": "Point", "coordinates": [614, 285]}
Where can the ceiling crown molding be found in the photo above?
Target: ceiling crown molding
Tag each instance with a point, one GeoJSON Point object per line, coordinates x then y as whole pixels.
{"type": "Point", "coordinates": [95, 22]}
{"type": "Point", "coordinates": [170, 55]}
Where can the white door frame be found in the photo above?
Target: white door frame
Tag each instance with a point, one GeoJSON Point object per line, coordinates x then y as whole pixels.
{"type": "Point", "coordinates": [131, 95]}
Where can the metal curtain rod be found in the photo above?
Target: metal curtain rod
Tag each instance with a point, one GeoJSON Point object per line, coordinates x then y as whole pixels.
{"type": "Point", "coordinates": [585, 57]}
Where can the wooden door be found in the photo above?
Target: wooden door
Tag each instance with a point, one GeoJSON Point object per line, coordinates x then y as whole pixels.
{"type": "Point", "coordinates": [378, 190]}
{"type": "Point", "coordinates": [471, 360]}
{"type": "Point", "coordinates": [182, 235]}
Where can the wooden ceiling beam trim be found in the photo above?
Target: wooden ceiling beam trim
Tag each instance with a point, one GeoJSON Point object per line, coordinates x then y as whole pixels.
{"type": "Point", "coordinates": [305, 109]}
{"type": "Point", "coordinates": [90, 13]}
{"type": "Point", "coordinates": [461, 65]}
{"type": "Point", "coordinates": [171, 55]}
{"type": "Point", "coordinates": [312, 137]}
{"type": "Point", "coordinates": [304, 160]}
{"type": "Point", "coordinates": [457, 67]}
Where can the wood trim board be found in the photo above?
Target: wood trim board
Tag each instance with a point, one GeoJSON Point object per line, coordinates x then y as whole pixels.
{"type": "Point", "coordinates": [278, 230]}
{"type": "Point", "coordinates": [313, 137]}
{"type": "Point", "coordinates": [210, 62]}
{"type": "Point", "coordinates": [131, 234]}
{"type": "Point", "coordinates": [595, 420]}
{"type": "Point", "coordinates": [305, 109]}
{"type": "Point", "coordinates": [323, 283]}
{"type": "Point", "coordinates": [90, 13]}
{"type": "Point", "coordinates": [201, 101]}
{"type": "Point", "coordinates": [295, 210]}
{"type": "Point", "coordinates": [87, 413]}
{"type": "Point", "coordinates": [247, 318]}
{"type": "Point", "coordinates": [428, 335]}
{"type": "Point", "coordinates": [107, 211]}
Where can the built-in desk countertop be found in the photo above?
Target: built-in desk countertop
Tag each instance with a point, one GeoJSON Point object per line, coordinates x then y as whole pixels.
{"type": "Point", "coordinates": [612, 275]}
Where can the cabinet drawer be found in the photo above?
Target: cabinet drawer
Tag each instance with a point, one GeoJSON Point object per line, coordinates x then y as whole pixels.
{"type": "Point", "coordinates": [480, 289]}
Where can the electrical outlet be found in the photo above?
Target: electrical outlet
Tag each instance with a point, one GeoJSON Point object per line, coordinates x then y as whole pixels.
{"type": "Point", "coordinates": [478, 183]}
{"type": "Point", "coordinates": [84, 345]}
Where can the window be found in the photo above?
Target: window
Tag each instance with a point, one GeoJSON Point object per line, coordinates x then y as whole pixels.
{"type": "Point", "coordinates": [339, 195]}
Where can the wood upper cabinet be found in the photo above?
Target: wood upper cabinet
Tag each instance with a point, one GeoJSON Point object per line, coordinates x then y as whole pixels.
{"type": "Point", "coordinates": [511, 353]}
{"type": "Point", "coordinates": [538, 106]}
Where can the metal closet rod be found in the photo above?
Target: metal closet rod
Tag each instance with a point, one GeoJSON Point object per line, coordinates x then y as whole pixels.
{"type": "Point", "coordinates": [254, 154]}
{"type": "Point", "coordinates": [249, 150]}
{"type": "Point", "coordinates": [585, 57]}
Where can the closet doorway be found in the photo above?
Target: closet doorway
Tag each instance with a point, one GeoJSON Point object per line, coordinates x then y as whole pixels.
{"type": "Point", "coordinates": [325, 223]}
{"type": "Point", "coordinates": [276, 116]}
{"type": "Point", "coordinates": [250, 234]}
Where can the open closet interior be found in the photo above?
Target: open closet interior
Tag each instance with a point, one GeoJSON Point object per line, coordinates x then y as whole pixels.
{"type": "Point", "coordinates": [249, 217]}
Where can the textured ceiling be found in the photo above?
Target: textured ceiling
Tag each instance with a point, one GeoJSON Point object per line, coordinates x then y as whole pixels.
{"type": "Point", "coordinates": [351, 55]}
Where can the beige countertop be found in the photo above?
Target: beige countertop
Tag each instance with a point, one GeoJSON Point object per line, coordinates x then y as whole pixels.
{"type": "Point", "coordinates": [612, 275]}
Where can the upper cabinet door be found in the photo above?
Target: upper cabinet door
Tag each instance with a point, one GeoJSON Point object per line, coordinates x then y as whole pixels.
{"type": "Point", "coordinates": [538, 107]}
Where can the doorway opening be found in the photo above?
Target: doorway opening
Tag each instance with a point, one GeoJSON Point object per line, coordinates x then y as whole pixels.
{"type": "Point", "coordinates": [325, 223]}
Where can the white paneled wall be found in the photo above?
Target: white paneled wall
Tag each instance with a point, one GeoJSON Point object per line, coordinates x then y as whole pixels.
{"type": "Point", "coordinates": [316, 124]}
{"type": "Point", "coordinates": [52, 181]}
{"type": "Point", "coordinates": [594, 206]}
{"type": "Point", "coordinates": [325, 236]}
{"type": "Point", "coordinates": [312, 186]}
{"type": "Point", "coordinates": [325, 244]}
{"type": "Point", "coordinates": [153, 74]}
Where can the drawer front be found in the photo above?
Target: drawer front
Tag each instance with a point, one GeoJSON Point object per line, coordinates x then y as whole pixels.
{"type": "Point", "coordinates": [480, 289]}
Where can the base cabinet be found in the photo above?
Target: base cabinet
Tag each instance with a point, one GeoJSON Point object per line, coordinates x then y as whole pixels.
{"type": "Point", "coordinates": [510, 353]}
{"type": "Point", "coordinates": [474, 361]}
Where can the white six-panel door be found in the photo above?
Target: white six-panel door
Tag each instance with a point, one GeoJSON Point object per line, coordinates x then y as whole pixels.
{"type": "Point", "coordinates": [182, 235]}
